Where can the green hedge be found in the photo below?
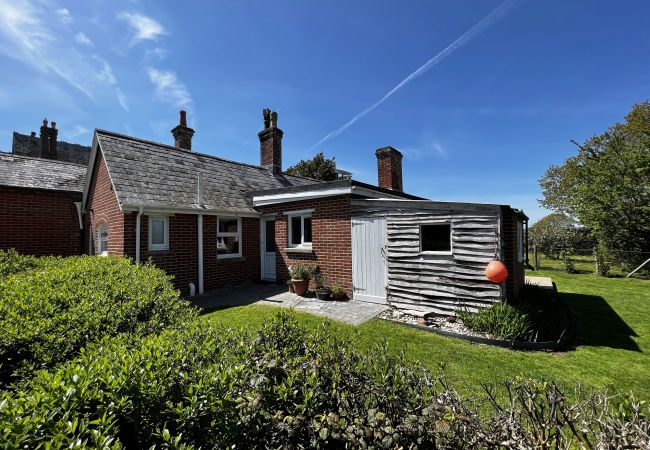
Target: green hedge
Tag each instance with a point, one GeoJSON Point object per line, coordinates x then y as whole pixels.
{"type": "Point", "coordinates": [50, 308]}
{"type": "Point", "coordinates": [206, 387]}
{"type": "Point", "coordinates": [13, 262]}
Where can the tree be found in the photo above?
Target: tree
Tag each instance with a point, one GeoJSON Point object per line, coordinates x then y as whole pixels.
{"type": "Point", "coordinates": [318, 167]}
{"type": "Point", "coordinates": [554, 234]}
{"type": "Point", "coordinates": [606, 187]}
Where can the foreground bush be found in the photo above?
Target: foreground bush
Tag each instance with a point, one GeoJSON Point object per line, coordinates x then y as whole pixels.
{"type": "Point", "coordinates": [51, 308]}
{"type": "Point", "coordinates": [13, 262]}
{"type": "Point", "coordinates": [288, 388]}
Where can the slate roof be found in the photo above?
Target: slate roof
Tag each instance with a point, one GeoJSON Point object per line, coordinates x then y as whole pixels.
{"type": "Point", "coordinates": [35, 173]}
{"type": "Point", "coordinates": [154, 175]}
{"type": "Point", "coordinates": [27, 145]}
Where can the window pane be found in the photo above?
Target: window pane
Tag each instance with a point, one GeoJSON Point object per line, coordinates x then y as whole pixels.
{"type": "Point", "coordinates": [435, 238]}
{"type": "Point", "coordinates": [228, 226]}
{"type": "Point", "coordinates": [157, 231]}
{"type": "Point", "coordinates": [270, 236]}
{"type": "Point", "coordinates": [307, 225]}
{"type": "Point", "coordinates": [228, 246]}
{"type": "Point", "coordinates": [296, 230]}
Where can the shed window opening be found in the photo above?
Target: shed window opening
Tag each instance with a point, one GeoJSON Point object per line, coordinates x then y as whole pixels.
{"type": "Point", "coordinates": [435, 238]}
{"type": "Point", "coordinates": [102, 240]}
{"type": "Point", "coordinates": [300, 230]}
{"type": "Point", "coordinates": [229, 237]}
{"type": "Point", "coordinates": [158, 233]}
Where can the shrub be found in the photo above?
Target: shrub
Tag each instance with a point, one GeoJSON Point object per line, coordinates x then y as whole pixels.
{"type": "Point", "coordinates": [500, 320]}
{"type": "Point", "coordinates": [569, 266]}
{"type": "Point", "coordinates": [286, 387]}
{"type": "Point", "coordinates": [301, 272]}
{"type": "Point", "coordinates": [48, 313]}
{"type": "Point", "coordinates": [13, 262]}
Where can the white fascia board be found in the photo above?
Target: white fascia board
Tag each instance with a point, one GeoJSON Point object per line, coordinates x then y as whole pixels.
{"type": "Point", "coordinates": [89, 171]}
{"type": "Point", "coordinates": [162, 210]}
{"type": "Point", "coordinates": [272, 199]}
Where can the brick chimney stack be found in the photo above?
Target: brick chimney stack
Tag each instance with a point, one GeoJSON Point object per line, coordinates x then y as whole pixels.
{"type": "Point", "coordinates": [271, 143]}
{"type": "Point", "coordinates": [182, 133]}
{"type": "Point", "coordinates": [48, 140]}
{"type": "Point", "coordinates": [389, 168]}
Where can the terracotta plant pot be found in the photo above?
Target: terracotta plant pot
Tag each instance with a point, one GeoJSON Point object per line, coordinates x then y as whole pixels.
{"type": "Point", "coordinates": [339, 296]}
{"type": "Point", "coordinates": [300, 287]}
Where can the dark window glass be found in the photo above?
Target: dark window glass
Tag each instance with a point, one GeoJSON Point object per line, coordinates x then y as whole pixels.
{"type": "Point", "coordinates": [435, 238]}
{"type": "Point", "coordinates": [295, 230]}
{"type": "Point", "coordinates": [228, 226]}
{"type": "Point", "coordinates": [307, 233]}
{"type": "Point", "coordinates": [270, 236]}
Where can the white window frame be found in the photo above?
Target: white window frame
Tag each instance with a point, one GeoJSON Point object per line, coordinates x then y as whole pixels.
{"type": "Point", "coordinates": [165, 244]}
{"type": "Point", "coordinates": [230, 234]}
{"type": "Point", "coordinates": [307, 213]}
{"type": "Point", "coordinates": [520, 241]}
{"type": "Point", "coordinates": [99, 230]}
{"type": "Point", "coordinates": [438, 252]}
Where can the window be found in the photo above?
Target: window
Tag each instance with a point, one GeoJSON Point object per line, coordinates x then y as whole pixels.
{"type": "Point", "coordinates": [435, 239]}
{"type": "Point", "coordinates": [228, 237]}
{"type": "Point", "coordinates": [102, 240]}
{"type": "Point", "coordinates": [520, 241]}
{"type": "Point", "coordinates": [158, 233]}
{"type": "Point", "coordinates": [299, 229]}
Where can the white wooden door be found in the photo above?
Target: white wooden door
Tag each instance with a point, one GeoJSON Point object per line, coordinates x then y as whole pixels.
{"type": "Point", "coordinates": [369, 259]}
{"type": "Point", "coordinates": [267, 248]}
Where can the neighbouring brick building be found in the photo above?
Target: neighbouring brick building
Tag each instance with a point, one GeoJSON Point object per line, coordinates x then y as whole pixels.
{"type": "Point", "coordinates": [211, 222]}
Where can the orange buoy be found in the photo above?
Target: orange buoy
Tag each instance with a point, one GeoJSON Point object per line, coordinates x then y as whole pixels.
{"type": "Point", "coordinates": [496, 271]}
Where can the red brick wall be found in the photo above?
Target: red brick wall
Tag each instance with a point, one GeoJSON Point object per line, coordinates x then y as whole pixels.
{"type": "Point", "coordinates": [271, 148]}
{"type": "Point", "coordinates": [103, 209]}
{"type": "Point", "coordinates": [39, 222]}
{"type": "Point", "coordinates": [516, 269]}
{"type": "Point", "coordinates": [331, 236]}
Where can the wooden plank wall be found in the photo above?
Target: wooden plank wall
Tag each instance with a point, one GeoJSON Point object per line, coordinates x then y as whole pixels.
{"type": "Point", "coordinates": [441, 284]}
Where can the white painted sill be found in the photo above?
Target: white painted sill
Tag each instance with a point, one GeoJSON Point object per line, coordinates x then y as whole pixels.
{"type": "Point", "coordinates": [299, 250]}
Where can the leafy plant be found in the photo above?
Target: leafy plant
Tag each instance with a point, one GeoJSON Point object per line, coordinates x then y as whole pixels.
{"type": "Point", "coordinates": [50, 312]}
{"type": "Point", "coordinates": [500, 320]}
{"type": "Point", "coordinates": [319, 168]}
{"type": "Point", "coordinates": [13, 262]}
{"type": "Point", "coordinates": [335, 289]}
{"type": "Point", "coordinates": [301, 272]}
{"type": "Point", "coordinates": [569, 266]}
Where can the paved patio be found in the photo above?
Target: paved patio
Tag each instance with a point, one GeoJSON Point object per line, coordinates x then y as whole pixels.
{"type": "Point", "coordinates": [353, 312]}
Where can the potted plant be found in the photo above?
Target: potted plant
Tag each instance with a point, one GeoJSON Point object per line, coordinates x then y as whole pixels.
{"type": "Point", "coordinates": [322, 291]}
{"type": "Point", "coordinates": [337, 292]}
{"type": "Point", "coordinates": [300, 276]}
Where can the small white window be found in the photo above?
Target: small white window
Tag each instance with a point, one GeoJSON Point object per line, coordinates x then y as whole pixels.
{"type": "Point", "coordinates": [229, 237]}
{"type": "Point", "coordinates": [102, 240]}
{"type": "Point", "coordinates": [158, 233]}
{"type": "Point", "coordinates": [299, 232]}
{"type": "Point", "coordinates": [520, 241]}
{"type": "Point", "coordinates": [435, 239]}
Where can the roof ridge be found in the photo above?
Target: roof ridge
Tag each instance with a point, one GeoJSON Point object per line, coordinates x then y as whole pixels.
{"type": "Point", "coordinates": [189, 152]}
{"type": "Point", "coordinates": [35, 158]}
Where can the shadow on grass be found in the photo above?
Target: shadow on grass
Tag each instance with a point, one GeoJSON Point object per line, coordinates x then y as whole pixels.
{"type": "Point", "coordinates": [598, 325]}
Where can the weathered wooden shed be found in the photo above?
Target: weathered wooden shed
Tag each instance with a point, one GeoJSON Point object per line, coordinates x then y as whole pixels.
{"type": "Point", "coordinates": [426, 256]}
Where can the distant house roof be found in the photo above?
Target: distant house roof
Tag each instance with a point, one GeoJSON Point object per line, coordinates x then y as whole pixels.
{"type": "Point", "coordinates": [35, 173]}
{"type": "Point", "coordinates": [27, 145]}
{"type": "Point", "coordinates": [154, 175]}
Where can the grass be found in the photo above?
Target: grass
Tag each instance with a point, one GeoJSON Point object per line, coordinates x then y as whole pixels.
{"type": "Point", "coordinates": [612, 351]}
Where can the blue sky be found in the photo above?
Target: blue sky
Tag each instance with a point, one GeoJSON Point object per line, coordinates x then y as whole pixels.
{"type": "Point", "coordinates": [482, 124]}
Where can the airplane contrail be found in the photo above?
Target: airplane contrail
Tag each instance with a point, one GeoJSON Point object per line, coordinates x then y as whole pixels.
{"type": "Point", "coordinates": [481, 26]}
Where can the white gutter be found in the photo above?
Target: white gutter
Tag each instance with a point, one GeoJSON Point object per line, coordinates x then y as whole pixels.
{"type": "Point", "coordinates": [79, 215]}
{"type": "Point", "coordinates": [137, 235]}
{"type": "Point", "coordinates": [271, 199]}
{"type": "Point", "coordinates": [200, 252]}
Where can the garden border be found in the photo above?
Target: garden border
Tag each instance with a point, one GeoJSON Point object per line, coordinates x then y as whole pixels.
{"type": "Point", "coordinates": [563, 343]}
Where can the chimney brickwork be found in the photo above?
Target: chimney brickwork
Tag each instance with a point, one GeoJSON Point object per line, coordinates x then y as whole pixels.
{"type": "Point", "coordinates": [271, 143]}
{"type": "Point", "coordinates": [48, 140]}
{"type": "Point", "coordinates": [182, 133]}
{"type": "Point", "coordinates": [389, 168]}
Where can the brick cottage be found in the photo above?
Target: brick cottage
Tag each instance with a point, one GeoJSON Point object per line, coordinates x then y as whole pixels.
{"type": "Point", "coordinates": [211, 222]}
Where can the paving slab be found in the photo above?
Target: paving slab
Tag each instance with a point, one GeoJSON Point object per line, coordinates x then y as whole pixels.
{"type": "Point", "coordinates": [353, 312]}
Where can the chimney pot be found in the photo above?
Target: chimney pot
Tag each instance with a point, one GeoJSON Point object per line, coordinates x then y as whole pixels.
{"type": "Point", "coordinates": [53, 125]}
{"type": "Point", "coordinates": [271, 142]}
{"type": "Point", "coordinates": [182, 133]}
{"type": "Point", "coordinates": [389, 168]}
{"type": "Point", "coordinates": [33, 134]}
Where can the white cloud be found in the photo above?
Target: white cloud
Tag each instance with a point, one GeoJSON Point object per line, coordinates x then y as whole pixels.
{"type": "Point", "coordinates": [76, 131]}
{"type": "Point", "coordinates": [28, 37]}
{"type": "Point", "coordinates": [142, 27]}
{"type": "Point", "coordinates": [82, 39]}
{"type": "Point", "coordinates": [122, 99]}
{"type": "Point", "coordinates": [168, 88]}
{"type": "Point", "coordinates": [64, 15]}
{"type": "Point", "coordinates": [157, 52]}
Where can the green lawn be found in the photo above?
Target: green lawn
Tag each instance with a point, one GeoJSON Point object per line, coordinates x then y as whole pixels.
{"type": "Point", "coordinates": [612, 352]}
